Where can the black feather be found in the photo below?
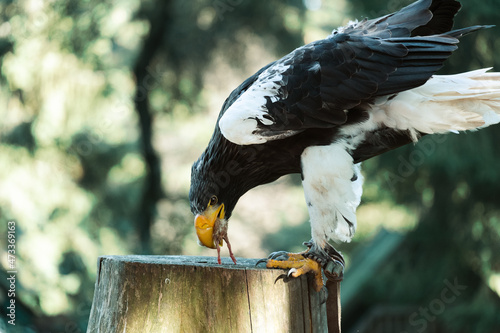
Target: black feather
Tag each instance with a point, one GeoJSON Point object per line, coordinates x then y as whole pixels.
{"type": "Point", "coordinates": [326, 85]}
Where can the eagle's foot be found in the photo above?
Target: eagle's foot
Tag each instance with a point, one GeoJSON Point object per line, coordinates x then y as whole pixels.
{"type": "Point", "coordinates": [298, 265]}
{"type": "Point", "coordinates": [313, 260]}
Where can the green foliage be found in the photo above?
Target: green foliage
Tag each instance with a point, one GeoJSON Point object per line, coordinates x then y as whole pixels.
{"type": "Point", "coordinates": [73, 168]}
{"type": "Point", "coordinates": [75, 173]}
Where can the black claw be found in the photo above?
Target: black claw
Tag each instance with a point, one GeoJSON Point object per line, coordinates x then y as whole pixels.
{"type": "Point", "coordinates": [286, 277]}
{"type": "Point", "coordinates": [283, 277]}
{"type": "Point", "coordinates": [278, 255]}
{"type": "Point", "coordinates": [261, 261]}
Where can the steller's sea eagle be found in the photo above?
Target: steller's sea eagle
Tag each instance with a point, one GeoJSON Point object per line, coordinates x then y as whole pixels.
{"type": "Point", "coordinates": [321, 110]}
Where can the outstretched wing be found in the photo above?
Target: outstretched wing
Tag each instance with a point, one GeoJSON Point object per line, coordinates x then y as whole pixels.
{"type": "Point", "coordinates": [316, 85]}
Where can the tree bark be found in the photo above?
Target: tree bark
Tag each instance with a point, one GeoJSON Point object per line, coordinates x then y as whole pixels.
{"type": "Point", "coordinates": [195, 294]}
{"type": "Point", "coordinates": [145, 81]}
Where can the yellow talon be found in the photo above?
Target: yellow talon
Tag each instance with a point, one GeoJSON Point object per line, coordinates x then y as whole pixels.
{"type": "Point", "coordinates": [302, 266]}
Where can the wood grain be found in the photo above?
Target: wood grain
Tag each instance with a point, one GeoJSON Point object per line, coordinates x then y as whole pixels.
{"type": "Point", "coordinates": [195, 294]}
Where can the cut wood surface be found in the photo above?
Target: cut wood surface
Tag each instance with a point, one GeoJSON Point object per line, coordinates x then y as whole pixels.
{"type": "Point", "coordinates": [195, 294]}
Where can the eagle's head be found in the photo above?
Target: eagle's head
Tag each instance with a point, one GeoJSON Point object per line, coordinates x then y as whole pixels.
{"type": "Point", "coordinates": [213, 195]}
{"type": "Point", "coordinates": [211, 222]}
{"type": "Point", "coordinates": [223, 173]}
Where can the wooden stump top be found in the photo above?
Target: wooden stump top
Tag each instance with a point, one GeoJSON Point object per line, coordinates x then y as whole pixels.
{"type": "Point", "coordinates": [227, 263]}
{"type": "Point", "coordinates": [195, 294]}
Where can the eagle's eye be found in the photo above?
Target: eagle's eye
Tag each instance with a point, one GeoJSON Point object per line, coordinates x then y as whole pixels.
{"type": "Point", "coordinates": [213, 200]}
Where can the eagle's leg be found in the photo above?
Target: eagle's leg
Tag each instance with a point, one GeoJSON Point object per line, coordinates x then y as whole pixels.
{"type": "Point", "coordinates": [313, 260]}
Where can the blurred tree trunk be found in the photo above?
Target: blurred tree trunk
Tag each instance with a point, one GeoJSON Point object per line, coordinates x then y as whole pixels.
{"type": "Point", "coordinates": [157, 14]}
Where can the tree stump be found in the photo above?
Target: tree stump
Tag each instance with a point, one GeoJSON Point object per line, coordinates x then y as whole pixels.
{"type": "Point", "coordinates": [195, 294]}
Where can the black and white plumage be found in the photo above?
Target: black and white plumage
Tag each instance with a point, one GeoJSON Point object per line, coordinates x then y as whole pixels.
{"type": "Point", "coordinates": [367, 88]}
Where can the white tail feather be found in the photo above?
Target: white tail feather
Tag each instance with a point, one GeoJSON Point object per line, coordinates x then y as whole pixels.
{"type": "Point", "coordinates": [446, 103]}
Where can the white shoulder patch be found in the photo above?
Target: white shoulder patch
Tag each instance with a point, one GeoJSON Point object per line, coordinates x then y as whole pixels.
{"type": "Point", "coordinates": [239, 122]}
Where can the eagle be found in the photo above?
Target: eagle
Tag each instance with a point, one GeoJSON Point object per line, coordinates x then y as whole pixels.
{"type": "Point", "coordinates": [321, 110]}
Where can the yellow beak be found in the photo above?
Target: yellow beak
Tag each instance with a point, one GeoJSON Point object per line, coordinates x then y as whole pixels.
{"type": "Point", "coordinates": [204, 225]}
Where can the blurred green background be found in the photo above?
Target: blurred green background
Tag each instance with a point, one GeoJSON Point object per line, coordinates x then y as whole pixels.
{"type": "Point", "coordinates": [104, 106]}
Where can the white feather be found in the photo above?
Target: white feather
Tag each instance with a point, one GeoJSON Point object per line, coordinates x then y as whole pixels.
{"type": "Point", "coordinates": [446, 103]}
{"type": "Point", "coordinates": [350, 25]}
{"type": "Point", "coordinates": [239, 122]}
{"type": "Point", "coordinates": [331, 195]}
